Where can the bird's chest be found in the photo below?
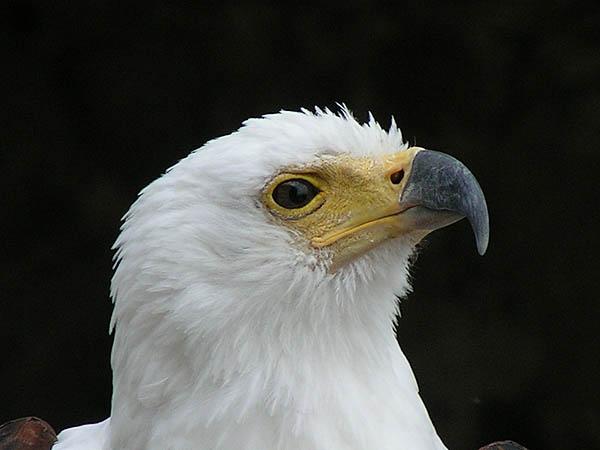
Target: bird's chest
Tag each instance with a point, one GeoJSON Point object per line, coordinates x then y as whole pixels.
{"type": "Point", "coordinates": [343, 413]}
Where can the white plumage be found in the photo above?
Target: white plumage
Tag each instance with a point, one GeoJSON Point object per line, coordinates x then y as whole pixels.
{"type": "Point", "coordinates": [230, 334]}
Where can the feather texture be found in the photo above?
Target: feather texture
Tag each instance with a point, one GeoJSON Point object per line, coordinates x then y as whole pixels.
{"type": "Point", "coordinates": [230, 333]}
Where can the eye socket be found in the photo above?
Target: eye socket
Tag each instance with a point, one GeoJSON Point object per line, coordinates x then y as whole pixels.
{"type": "Point", "coordinates": [294, 193]}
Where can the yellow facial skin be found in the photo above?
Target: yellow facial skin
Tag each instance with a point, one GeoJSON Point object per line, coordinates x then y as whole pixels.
{"type": "Point", "coordinates": [357, 206]}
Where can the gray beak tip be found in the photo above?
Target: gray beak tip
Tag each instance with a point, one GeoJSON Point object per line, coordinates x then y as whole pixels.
{"type": "Point", "coordinates": [482, 242]}
{"type": "Point", "coordinates": [480, 222]}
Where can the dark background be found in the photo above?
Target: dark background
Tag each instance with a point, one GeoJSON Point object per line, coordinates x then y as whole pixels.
{"type": "Point", "coordinates": [99, 98]}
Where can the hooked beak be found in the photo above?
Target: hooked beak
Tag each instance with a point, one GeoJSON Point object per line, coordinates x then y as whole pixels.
{"type": "Point", "coordinates": [441, 190]}
{"type": "Point", "coordinates": [411, 193]}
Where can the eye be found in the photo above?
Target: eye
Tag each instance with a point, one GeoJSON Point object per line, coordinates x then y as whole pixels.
{"type": "Point", "coordinates": [294, 193]}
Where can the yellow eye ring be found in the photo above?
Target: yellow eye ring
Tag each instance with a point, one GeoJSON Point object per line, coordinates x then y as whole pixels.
{"type": "Point", "coordinates": [294, 195]}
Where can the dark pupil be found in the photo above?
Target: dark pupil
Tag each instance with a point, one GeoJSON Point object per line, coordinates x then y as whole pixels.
{"type": "Point", "coordinates": [294, 193]}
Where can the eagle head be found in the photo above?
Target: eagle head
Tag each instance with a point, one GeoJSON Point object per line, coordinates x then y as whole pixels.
{"type": "Point", "coordinates": [269, 261]}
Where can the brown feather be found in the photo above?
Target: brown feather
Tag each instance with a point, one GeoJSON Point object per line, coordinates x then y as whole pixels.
{"type": "Point", "coordinates": [28, 433]}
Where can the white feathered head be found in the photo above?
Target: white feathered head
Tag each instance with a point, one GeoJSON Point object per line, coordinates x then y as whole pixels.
{"type": "Point", "coordinates": [257, 281]}
{"type": "Point", "coordinates": [294, 231]}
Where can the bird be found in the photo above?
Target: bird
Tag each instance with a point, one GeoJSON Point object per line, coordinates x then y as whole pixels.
{"type": "Point", "coordinates": [256, 290]}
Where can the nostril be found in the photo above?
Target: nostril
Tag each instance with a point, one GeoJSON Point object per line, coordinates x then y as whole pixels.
{"type": "Point", "coordinates": [396, 177]}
